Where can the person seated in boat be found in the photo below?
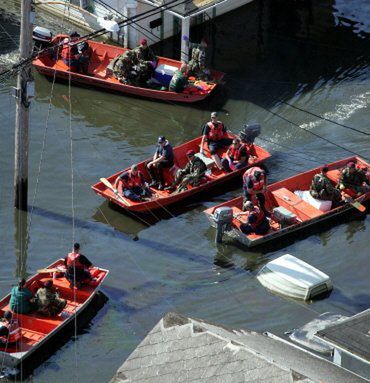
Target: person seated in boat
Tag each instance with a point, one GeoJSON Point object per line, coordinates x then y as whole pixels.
{"type": "Point", "coordinates": [124, 68]}
{"type": "Point", "coordinates": [132, 185]}
{"type": "Point", "coordinates": [21, 298]}
{"type": "Point", "coordinates": [83, 56]}
{"type": "Point", "coordinates": [197, 63]}
{"type": "Point", "coordinates": [147, 61]}
{"type": "Point", "coordinates": [354, 179]}
{"type": "Point", "coordinates": [77, 267]}
{"type": "Point", "coordinates": [236, 156]}
{"type": "Point", "coordinates": [49, 303]}
{"type": "Point", "coordinates": [81, 50]}
{"type": "Point", "coordinates": [163, 158]}
{"type": "Point", "coordinates": [322, 189]}
{"type": "Point", "coordinates": [214, 132]}
{"type": "Point", "coordinates": [10, 332]}
{"type": "Point", "coordinates": [257, 221]}
{"type": "Point", "coordinates": [68, 54]}
{"type": "Point", "coordinates": [254, 184]}
{"type": "Point", "coordinates": [145, 54]}
{"type": "Point", "coordinates": [192, 174]}
{"type": "Point", "coordinates": [179, 80]}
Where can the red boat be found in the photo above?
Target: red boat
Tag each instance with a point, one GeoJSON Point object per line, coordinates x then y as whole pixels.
{"type": "Point", "coordinates": [162, 198]}
{"type": "Point", "coordinates": [291, 205]}
{"type": "Point", "coordinates": [99, 75]}
{"type": "Point", "coordinates": [37, 331]}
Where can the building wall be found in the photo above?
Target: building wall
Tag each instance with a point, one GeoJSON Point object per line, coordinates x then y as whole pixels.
{"type": "Point", "coordinates": [169, 25]}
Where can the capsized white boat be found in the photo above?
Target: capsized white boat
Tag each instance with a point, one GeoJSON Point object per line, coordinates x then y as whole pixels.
{"type": "Point", "coordinates": [292, 277]}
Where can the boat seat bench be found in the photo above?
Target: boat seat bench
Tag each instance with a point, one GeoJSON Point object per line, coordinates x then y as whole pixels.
{"type": "Point", "coordinates": [296, 205]}
{"type": "Point", "coordinates": [334, 175]}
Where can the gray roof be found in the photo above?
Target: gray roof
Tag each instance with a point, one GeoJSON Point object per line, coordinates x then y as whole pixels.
{"type": "Point", "coordinates": [180, 349]}
{"type": "Point", "coordinates": [352, 335]}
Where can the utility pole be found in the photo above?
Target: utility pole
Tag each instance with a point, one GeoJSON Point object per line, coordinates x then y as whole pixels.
{"type": "Point", "coordinates": [23, 93]}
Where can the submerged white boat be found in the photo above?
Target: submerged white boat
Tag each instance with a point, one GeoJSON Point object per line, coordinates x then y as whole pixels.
{"type": "Point", "coordinates": [294, 278]}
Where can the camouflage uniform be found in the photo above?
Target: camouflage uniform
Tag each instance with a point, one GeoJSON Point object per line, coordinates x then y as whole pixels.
{"type": "Point", "coordinates": [197, 64]}
{"type": "Point", "coordinates": [321, 188]}
{"type": "Point", "coordinates": [123, 67]}
{"type": "Point", "coordinates": [193, 172]}
{"type": "Point", "coordinates": [353, 180]}
{"type": "Point", "coordinates": [145, 57]}
{"type": "Point", "coordinates": [178, 82]}
{"type": "Point", "coordinates": [49, 303]}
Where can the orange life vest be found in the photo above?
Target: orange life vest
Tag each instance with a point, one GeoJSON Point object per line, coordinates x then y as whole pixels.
{"type": "Point", "coordinates": [73, 259]}
{"type": "Point", "coordinates": [216, 132]}
{"type": "Point", "coordinates": [249, 173]}
{"type": "Point", "coordinates": [134, 180]}
{"type": "Point", "coordinates": [67, 52]}
{"type": "Point", "coordinates": [260, 216]}
{"type": "Point", "coordinates": [15, 332]}
{"type": "Point", "coordinates": [235, 154]}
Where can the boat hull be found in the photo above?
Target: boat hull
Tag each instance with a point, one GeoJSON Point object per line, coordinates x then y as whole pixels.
{"type": "Point", "coordinates": [47, 335]}
{"type": "Point", "coordinates": [260, 240]}
{"type": "Point", "coordinates": [101, 77]}
{"type": "Point", "coordinates": [165, 198]}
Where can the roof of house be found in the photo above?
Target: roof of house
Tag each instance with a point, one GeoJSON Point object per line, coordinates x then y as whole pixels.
{"type": "Point", "coordinates": [181, 349]}
{"type": "Point", "coordinates": [351, 335]}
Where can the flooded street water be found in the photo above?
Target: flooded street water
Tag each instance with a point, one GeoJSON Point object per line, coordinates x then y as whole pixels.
{"type": "Point", "coordinates": [311, 55]}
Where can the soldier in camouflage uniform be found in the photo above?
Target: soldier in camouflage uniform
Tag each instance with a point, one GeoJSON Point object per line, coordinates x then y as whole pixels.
{"type": "Point", "coordinates": [48, 302]}
{"type": "Point", "coordinates": [353, 178]}
{"type": "Point", "coordinates": [179, 80]}
{"type": "Point", "coordinates": [146, 62]}
{"type": "Point", "coordinates": [321, 188]}
{"type": "Point", "coordinates": [197, 64]}
{"type": "Point", "coordinates": [192, 174]}
{"type": "Point", "coordinates": [123, 67]}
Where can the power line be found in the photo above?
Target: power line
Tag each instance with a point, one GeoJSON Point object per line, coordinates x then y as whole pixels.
{"type": "Point", "coordinates": [323, 118]}
{"type": "Point", "coordinates": [317, 135]}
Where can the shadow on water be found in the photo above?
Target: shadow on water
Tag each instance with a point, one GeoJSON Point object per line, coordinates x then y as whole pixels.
{"type": "Point", "coordinates": [285, 47]}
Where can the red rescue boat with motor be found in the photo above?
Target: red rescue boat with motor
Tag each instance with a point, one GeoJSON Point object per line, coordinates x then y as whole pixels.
{"type": "Point", "coordinates": [162, 198]}
{"type": "Point", "coordinates": [100, 74]}
{"type": "Point", "coordinates": [291, 205]}
{"type": "Point", "coordinates": [38, 331]}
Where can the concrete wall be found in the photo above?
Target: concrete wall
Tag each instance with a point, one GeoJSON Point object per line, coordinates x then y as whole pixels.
{"type": "Point", "coordinates": [168, 28]}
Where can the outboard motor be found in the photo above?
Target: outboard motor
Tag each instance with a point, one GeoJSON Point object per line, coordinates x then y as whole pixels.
{"type": "Point", "coordinates": [250, 132]}
{"type": "Point", "coordinates": [42, 38]}
{"type": "Point", "coordinates": [223, 217]}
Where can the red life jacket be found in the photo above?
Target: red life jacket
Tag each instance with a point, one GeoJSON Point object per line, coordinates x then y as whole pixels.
{"type": "Point", "coordinates": [15, 332]}
{"type": "Point", "coordinates": [249, 173]}
{"type": "Point", "coordinates": [73, 258]}
{"type": "Point", "coordinates": [134, 180]}
{"type": "Point", "coordinates": [235, 154]}
{"type": "Point", "coordinates": [67, 52]}
{"type": "Point", "coordinates": [216, 132]}
{"type": "Point", "coordinates": [260, 216]}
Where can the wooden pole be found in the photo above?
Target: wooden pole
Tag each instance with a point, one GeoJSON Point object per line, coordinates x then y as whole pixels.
{"type": "Point", "coordinates": [23, 93]}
